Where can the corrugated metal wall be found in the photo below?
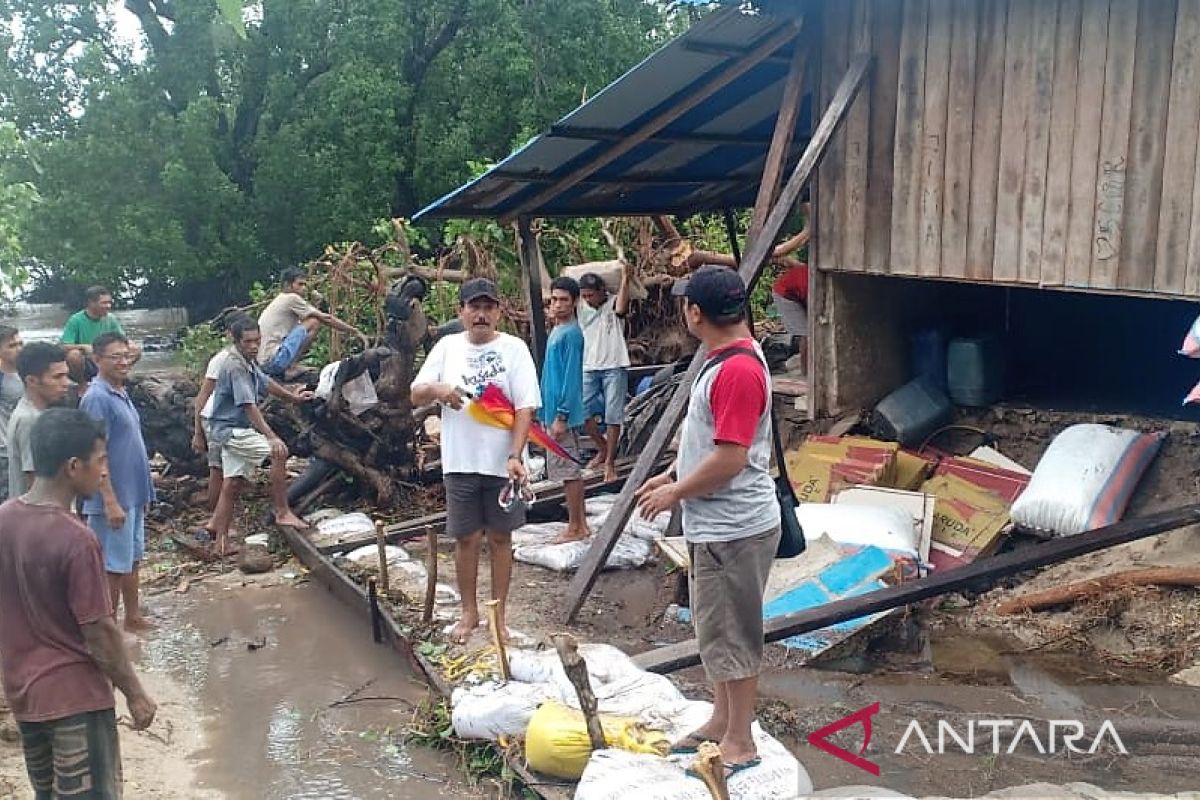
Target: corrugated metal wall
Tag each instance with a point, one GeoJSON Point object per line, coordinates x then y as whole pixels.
{"type": "Point", "coordinates": [1044, 142]}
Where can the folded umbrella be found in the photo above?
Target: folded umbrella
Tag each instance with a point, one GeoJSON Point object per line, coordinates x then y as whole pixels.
{"type": "Point", "coordinates": [492, 407]}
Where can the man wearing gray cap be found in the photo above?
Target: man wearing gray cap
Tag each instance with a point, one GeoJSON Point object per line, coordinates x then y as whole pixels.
{"type": "Point", "coordinates": [730, 515]}
{"type": "Point", "coordinates": [479, 460]}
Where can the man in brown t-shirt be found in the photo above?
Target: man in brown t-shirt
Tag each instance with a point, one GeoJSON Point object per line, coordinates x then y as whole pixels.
{"type": "Point", "coordinates": [289, 324]}
{"type": "Point", "coordinates": [59, 643]}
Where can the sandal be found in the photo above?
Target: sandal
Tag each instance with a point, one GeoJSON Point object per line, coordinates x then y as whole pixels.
{"type": "Point", "coordinates": [690, 744]}
{"type": "Point", "coordinates": [730, 769]}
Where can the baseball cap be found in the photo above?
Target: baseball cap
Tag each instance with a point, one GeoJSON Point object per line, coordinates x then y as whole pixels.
{"type": "Point", "coordinates": [477, 288]}
{"type": "Point", "coordinates": [718, 291]}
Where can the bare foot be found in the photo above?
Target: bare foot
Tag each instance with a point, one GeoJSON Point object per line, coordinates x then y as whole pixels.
{"type": "Point", "coordinates": [227, 548]}
{"type": "Point", "coordinates": [462, 631]}
{"type": "Point", "coordinates": [570, 535]}
{"type": "Point", "coordinates": [139, 624]}
{"type": "Point", "coordinates": [610, 472]}
{"type": "Point", "coordinates": [596, 462]}
{"type": "Point", "coordinates": [290, 520]}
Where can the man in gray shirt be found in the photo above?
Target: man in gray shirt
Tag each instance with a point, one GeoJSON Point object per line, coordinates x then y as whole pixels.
{"type": "Point", "coordinates": [11, 391]}
{"type": "Point", "coordinates": [43, 370]}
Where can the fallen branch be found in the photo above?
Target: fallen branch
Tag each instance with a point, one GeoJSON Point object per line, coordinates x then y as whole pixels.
{"type": "Point", "coordinates": [576, 669]}
{"type": "Point", "coordinates": [711, 769]}
{"type": "Point", "coordinates": [1083, 590]}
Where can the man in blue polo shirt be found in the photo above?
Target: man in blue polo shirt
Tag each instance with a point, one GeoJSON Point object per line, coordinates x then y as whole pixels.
{"type": "Point", "coordinates": [117, 513]}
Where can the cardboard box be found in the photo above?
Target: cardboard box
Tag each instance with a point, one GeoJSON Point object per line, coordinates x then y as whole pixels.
{"type": "Point", "coordinates": [968, 522]}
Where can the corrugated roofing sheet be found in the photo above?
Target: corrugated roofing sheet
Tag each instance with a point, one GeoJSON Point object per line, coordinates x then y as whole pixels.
{"type": "Point", "coordinates": [708, 159]}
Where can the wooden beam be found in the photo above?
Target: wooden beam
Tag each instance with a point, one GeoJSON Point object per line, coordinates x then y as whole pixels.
{"type": "Point", "coordinates": [648, 179]}
{"type": "Point", "coordinates": [609, 135]}
{"type": "Point", "coordinates": [727, 51]}
{"type": "Point", "coordinates": [781, 140]}
{"type": "Point", "coordinates": [983, 571]}
{"type": "Point", "coordinates": [757, 253]}
{"type": "Point", "coordinates": [531, 263]}
{"type": "Point", "coordinates": [786, 32]}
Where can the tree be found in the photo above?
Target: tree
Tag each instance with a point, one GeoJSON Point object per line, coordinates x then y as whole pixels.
{"type": "Point", "coordinates": [17, 200]}
{"type": "Point", "coordinates": [238, 140]}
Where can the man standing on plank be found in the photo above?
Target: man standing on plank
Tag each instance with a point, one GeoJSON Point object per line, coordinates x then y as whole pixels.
{"type": "Point", "coordinates": [12, 389]}
{"type": "Point", "coordinates": [730, 514]}
{"type": "Point", "coordinates": [605, 364]}
{"type": "Point", "coordinates": [478, 460]}
{"type": "Point", "coordinates": [42, 368]}
{"type": "Point", "coordinates": [82, 329]}
{"type": "Point", "coordinates": [289, 324]}
{"type": "Point", "coordinates": [59, 643]}
{"type": "Point", "coordinates": [562, 403]}
{"type": "Point", "coordinates": [117, 513]}
{"type": "Point", "coordinates": [246, 440]}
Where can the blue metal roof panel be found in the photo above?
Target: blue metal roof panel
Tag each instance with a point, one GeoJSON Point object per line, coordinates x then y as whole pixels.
{"type": "Point", "coordinates": [667, 174]}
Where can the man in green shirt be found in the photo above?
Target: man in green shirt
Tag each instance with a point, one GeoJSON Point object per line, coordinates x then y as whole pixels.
{"type": "Point", "coordinates": [82, 329]}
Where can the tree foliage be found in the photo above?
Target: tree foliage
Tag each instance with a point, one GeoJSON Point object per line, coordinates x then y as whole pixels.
{"type": "Point", "coordinates": [17, 200]}
{"type": "Point", "coordinates": [225, 141]}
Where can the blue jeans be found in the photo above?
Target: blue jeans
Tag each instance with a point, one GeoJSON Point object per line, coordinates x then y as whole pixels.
{"type": "Point", "coordinates": [605, 392]}
{"type": "Point", "coordinates": [287, 353]}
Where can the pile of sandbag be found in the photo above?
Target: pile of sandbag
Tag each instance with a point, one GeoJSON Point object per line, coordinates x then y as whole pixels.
{"type": "Point", "coordinates": [533, 544]}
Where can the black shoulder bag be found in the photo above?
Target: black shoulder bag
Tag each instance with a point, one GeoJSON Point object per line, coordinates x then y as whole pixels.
{"type": "Point", "coordinates": [791, 541]}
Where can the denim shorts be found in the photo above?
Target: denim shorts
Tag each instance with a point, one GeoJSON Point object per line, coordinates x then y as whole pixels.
{"type": "Point", "coordinates": [123, 546]}
{"type": "Point", "coordinates": [287, 353]}
{"type": "Point", "coordinates": [605, 392]}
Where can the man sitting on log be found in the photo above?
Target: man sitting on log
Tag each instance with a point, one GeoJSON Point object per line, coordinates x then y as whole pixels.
{"type": "Point", "coordinates": [730, 514]}
{"type": "Point", "coordinates": [479, 461]}
{"type": "Point", "coordinates": [289, 324]}
{"type": "Point", "coordinates": [246, 440]}
{"type": "Point", "coordinates": [82, 329]}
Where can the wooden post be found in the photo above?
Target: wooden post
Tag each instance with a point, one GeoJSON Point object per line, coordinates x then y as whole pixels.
{"type": "Point", "coordinates": [493, 612]}
{"type": "Point", "coordinates": [758, 251]}
{"type": "Point", "coordinates": [711, 769]}
{"type": "Point", "coordinates": [781, 141]}
{"type": "Point", "coordinates": [576, 669]}
{"type": "Point", "coordinates": [381, 543]}
{"type": "Point", "coordinates": [531, 264]}
{"type": "Point", "coordinates": [431, 576]}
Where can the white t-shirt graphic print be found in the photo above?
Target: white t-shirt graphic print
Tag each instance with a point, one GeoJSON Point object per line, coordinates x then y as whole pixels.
{"type": "Point", "coordinates": [469, 446]}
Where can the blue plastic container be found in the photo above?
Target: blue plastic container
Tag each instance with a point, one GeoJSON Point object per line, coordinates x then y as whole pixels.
{"type": "Point", "coordinates": [929, 356]}
{"type": "Point", "coordinates": [911, 413]}
{"type": "Point", "coordinates": [975, 371]}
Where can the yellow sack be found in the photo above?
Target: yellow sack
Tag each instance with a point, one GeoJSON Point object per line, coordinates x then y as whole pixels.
{"type": "Point", "coordinates": [556, 741]}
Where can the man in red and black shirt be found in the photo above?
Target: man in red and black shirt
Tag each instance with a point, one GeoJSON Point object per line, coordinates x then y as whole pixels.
{"type": "Point", "coordinates": [730, 514]}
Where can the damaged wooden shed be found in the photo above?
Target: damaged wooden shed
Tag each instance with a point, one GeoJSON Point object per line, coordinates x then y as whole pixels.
{"type": "Point", "coordinates": [1025, 167]}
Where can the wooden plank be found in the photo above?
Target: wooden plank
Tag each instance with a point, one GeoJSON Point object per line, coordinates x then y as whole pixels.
{"type": "Point", "coordinates": [964, 51]}
{"type": "Point", "coordinates": [885, 20]}
{"type": "Point", "coordinates": [933, 136]}
{"type": "Point", "coordinates": [1147, 144]}
{"type": "Point", "coordinates": [985, 571]}
{"type": "Point", "coordinates": [1114, 143]}
{"type": "Point", "coordinates": [531, 264]}
{"type": "Point", "coordinates": [1085, 150]}
{"type": "Point", "coordinates": [1171, 265]}
{"type": "Point", "coordinates": [781, 140]}
{"type": "Point", "coordinates": [1018, 86]}
{"type": "Point", "coordinates": [831, 173]}
{"type": "Point", "coordinates": [910, 107]}
{"type": "Point", "coordinates": [785, 32]}
{"type": "Point", "coordinates": [985, 148]}
{"type": "Point", "coordinates": [856, 149]}
{"type": "Point", "coordinates": [1037, 145]}
{"type": "Point", "coordinates": [1062, 140]}
{"type": "Point", "coordinates": [758, 250]}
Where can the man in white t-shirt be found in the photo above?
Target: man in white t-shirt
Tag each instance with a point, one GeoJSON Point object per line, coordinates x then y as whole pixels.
{"type": "Point", "coordinates": [605, 364]}
{"type": "Point", "coordinates": [201, 441]}
{"type": "Point", "coordinates": [478, 460]}
{"type": "Point", "coordinates": [289, 324]}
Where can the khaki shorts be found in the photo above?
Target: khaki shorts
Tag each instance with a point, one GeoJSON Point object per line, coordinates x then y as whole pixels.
{"type": "Point", "coordinates": [562, 469]}
{"type": "Point", "coordinates": [243, 453]}
{"type": "Point", "coordinates": [727, 581]}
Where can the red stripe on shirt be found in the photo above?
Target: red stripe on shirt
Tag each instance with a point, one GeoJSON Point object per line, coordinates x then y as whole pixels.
{"type": "Point", "coordinates": [738, 397]}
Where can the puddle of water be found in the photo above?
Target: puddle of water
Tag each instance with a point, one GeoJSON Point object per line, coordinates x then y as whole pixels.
{"type": "Point", "coordinates": [269, 727]}
{"type": "Point", "coordinates": [156, 327]}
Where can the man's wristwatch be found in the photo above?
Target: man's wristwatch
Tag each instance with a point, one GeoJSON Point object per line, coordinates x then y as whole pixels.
{"type": "Point", "coordinates": [513, 457]}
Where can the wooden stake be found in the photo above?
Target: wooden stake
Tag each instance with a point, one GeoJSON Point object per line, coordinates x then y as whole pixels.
{"type": "Point", "coordinates": [576, 669]}
{"type": "Point", "coordinates": [1104, 584]}
{"type": "Point", "coordinates": [431, 562]}
{"type": "Point", "coordinates": [381, 542]}
{"type": "Point", "coordinates": [711, 769]}
{"type": "Point", "coordinates": [493, 613]}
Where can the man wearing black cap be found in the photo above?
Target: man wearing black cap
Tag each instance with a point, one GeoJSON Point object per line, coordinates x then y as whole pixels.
{"type": "Point", "coordinates": [479, 460]}
{"type": "Point", "coordinates": [730, 514]}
